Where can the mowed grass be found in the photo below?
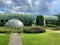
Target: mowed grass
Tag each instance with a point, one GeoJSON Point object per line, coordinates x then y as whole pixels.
{"type": "Point", "coordinates": [47, 38]}
{"type": "Point", "coordinates": [4, 39]}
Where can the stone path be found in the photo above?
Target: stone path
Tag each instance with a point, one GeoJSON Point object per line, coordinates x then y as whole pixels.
{"type": "Point", "coordinates": [15, 39]}
{"type": "Point", "coordinates": [56, 31]}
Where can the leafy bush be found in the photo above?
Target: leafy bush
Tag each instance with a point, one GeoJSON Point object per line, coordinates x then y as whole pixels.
{"type": "Point", "coordinates": [5, 32]}
{"type": "Point", "coordinates": [51, 25]}
{"type": "Point", "coordinates": [9, 30]}
{"type": "Point", "coordinates": [33, 30]}
{"type": "Point", "coordinates": [56, 29]}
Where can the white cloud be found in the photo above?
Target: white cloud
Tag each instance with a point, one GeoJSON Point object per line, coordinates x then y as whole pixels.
{"type": "Point", "coordinates": [28, 6]}
{"type": "Point", "coordinates": [54, 2]}
{"type": "Point", "coordinates": [30, 2]}
{"type": "Point", "coordinates": [13, 11]}
{"type": "Point", "coordinates": [1, 12]}
{"type": "Point", "coordinates": [37, 3]}
{"type": "Point", "coordinates": [23, 13]}
{"type": "Point", "coordinates": [7, 2]}
{"type": "Point", "coordinates": [52, 5]}
{"type": "Point", "coordinates": [20, 12]}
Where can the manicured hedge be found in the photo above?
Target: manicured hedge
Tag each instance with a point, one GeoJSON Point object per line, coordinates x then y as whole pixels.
{"type": "Point", "coordinates": [9, 30]}
{"type": "Point", "coordinates": [40, 20]}
{"type": "Point", "coordinates": [51, 25]}
{"type": "Point", "coordinates": [33, 30]}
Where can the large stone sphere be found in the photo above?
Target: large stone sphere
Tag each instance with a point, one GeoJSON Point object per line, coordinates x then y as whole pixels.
{"type": "Point", "coordinates": [14, 23]}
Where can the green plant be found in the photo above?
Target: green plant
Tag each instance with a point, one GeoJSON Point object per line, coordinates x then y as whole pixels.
{"type": "Point", "coordinates": [40, 20]}
{"type": "Point", "coordinates": [51, 25]}
{"type": "Point", "coordinates": [9, 30]}
{"type": "Point", "coordinates": [33, 30]}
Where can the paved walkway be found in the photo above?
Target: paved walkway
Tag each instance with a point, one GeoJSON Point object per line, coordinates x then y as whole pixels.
{"type": "Point", "coordinates": [56, 31]}
{"type": "Point", "coordinates": [15, 39]}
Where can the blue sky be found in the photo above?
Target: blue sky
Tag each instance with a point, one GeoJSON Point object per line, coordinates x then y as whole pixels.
{"type": "Point", "coordinates": [45, 7]}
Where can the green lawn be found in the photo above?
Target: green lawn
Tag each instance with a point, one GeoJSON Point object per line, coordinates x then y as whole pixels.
{"type": "Point", "coordinates": [4, 39]}
{"type": "Point", "coordinates": [47, 38]}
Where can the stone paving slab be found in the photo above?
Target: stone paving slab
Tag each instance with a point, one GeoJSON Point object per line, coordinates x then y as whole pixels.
{"type": "Point", "coordinates": [15, 39]}
{"type": "Point", "coordinates": [56, 31]}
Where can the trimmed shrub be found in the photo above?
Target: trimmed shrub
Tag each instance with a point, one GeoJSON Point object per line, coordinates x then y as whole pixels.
{"type": "Point", "coordinates": [51, 25]}
{"type": "Point", "coordinates": [5, 32]}
{"type": "Point", "coordinates": [40, 20]}
{"type": "Point", "coordinates": [56, 29]}
{"type": "Point", "coordinates": [33, 30]}
{"type": "Point", "coordinates": [9, 30]}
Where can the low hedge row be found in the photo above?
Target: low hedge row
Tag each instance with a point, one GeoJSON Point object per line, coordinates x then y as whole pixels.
{"type": "Point", "coordinates": [33, 30]}
{"type": "Point", "coordinates": [8, 30]}
{"type": "Point", "coordinates": [24, 30]}
{"type": "Point", "coordinates": [51, 25]}
{"type": "Point", "coordinates": [5, 31]}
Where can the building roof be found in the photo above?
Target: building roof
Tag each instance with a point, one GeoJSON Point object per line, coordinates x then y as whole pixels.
{"type": "Point", "coordinates": [51, 17]}
{"type": "Point", "coordinates": [14, 23]}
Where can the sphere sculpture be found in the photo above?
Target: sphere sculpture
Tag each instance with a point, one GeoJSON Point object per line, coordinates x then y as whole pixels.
{"type": "Point", "coordinates": [14, 23]}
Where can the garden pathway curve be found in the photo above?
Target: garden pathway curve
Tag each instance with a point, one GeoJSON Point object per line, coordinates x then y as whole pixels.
{"type": "Point", "coordinates": [56, 31]}
{"type": "Point", "coordinates": [15, 39]}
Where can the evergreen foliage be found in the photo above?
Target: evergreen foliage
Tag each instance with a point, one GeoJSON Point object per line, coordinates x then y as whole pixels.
{"type": "Point", "coordinates": [40, 20]}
